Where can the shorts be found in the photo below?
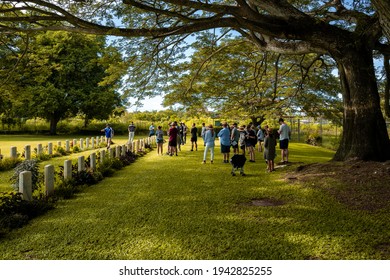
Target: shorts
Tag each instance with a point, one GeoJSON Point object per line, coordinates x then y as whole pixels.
{"type": "Point", "coordinates": [172, 143]}
{"type": "Point", "coordinates": [225, 149]}
{"type": "Point", "coordinates": [283, 144]}
{"type": "Point", "coordinates": [194, 139]}
{"type": "Point", "coordinates": [235, 146]}
{"type": "Point", "coordinates": [159, 141]}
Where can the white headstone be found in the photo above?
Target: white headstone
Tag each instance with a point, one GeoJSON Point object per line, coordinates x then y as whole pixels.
{"type": "Point", "coordinates": [102, 155]}
{"type": "Point", "coordinates": [93, 161]}
{"type": "Point", "coordinates": [25, 185]}
{"type": "Point", "coordinates": [27, 152]}
{"type": "Point", "coordinates": [50, 148]}
{"type": "Point", "coordinates": [39, 149]}
{"type": "Point", "coordinates": [67, 169]}
{"type": "Point", "coordinates": [49, 179]}
{"type": "Point", "coordinates": [80, 163]}
{"type": "Point", "coordinates": [14, 152]}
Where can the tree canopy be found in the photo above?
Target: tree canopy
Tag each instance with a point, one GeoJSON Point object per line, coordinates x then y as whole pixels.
{"type": "Point", "coordinates": [61, 74]}
{"type": "Point", "coordinates": [349, 31]}
{"type": "Point", "coordinates": [235, 79]}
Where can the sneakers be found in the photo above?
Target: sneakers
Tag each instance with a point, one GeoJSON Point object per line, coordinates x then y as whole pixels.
{"type": "Point", "coordinates": [204, 162]}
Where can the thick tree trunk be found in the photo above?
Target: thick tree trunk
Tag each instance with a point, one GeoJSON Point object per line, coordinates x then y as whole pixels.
{"type": "Point", "coordinates": [365, 135]}
{"type": "Point", "coordinates": [386, 65]}
{"type": "Point", "coordinates": [53, 125]}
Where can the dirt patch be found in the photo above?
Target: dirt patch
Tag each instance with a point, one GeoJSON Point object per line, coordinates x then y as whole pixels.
{"type": "Point", "coordinates": [359, 185]}
{"type": "Point", "coordinates": [264, 202]}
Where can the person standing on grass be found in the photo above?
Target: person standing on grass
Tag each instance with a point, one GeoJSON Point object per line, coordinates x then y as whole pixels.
{"type": "Point", "coordinates": [194, 137]}
{"type": "Point", "coordinates": [260, 139]}
{"type": "Point", "coordinates": [109, 133]}
{"type": "Point", "coordinates": [151, 130]}
{"type": "Point", "coordinates": [203, 132]}
{"type": "Point", "coordinates": [131, 130]}
{"type": "Point", "coordinates": [159, 140]}
{"type": "Point", "coordinates": [242, 140]}
{"type": "Point", "coordinates": [173, 132]}
{"type": "Point", "coordinates": [250, 142]}
{"type": "Point", "coordinates": [284, 137]}
{"type": "Point", "coordinates": [178, 140]}
{"type": "Point", "coordinates": [185, 128]}
{"type": "Point", "coordinates": [235, 137]}
{"type": "Point", "coordinates": [209, 139]}
{"type": "Point", "coordinates": [270, 149]}
{"type": "Point", "coordinates": [224, 138]}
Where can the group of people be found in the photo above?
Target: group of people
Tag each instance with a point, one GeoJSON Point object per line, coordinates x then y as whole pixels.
{"type": "Point", "coordinates": [244, 138]}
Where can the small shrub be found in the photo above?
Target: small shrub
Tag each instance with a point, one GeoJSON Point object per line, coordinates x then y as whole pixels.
{"type": "Point", "coordinates": [84, 177]}
{"type": "Point", "coordinates": [9, 163]}
{"type": "Point", "coordinates": [66, 189]}
{"type": "Point", "coordinates": [105, 167]}
{"type": "Point", "coordinates": [27, 165]}
{"type": "Point", "coordinates": [314, 139]}
{"type": "Point", "coordinates": [76, 149]}
{"type": "Point", "coordinates": [60, 150]}
{"type": "Point", "coordinates": [15, 212]}
{"type": "Point", "coordinates": [128, 158]}
{"type": "Point", "coordinates": [117, 164]}
{"type": "Point", "coordinates": [42, 157]}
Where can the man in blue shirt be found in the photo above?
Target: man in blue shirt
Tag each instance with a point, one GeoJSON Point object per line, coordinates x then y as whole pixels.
{"type": "Point", "coordinates": [151, 130]}
{"type": "Point", "coordinates": [109, 132]}
{"type": "Point", "coordinates": [224, 138]}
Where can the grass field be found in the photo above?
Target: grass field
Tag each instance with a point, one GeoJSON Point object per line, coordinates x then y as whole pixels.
{"type": "Point", "coordinates": [165, 207]}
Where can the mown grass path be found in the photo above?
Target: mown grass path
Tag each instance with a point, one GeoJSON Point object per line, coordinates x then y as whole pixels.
{"type": "Point", "coordinates": [165, 207]}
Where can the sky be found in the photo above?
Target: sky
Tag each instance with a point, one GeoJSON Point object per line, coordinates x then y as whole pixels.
{"type": "Point", "coordinates": [149, 104]}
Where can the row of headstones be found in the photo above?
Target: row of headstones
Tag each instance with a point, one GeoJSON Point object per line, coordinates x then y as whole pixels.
{"type": "Point", "coordinates": [137, 146]}
{"type": "Point", "coordinates": [89, 142]}
{"type": "Point", "coordinates": [25, 177]}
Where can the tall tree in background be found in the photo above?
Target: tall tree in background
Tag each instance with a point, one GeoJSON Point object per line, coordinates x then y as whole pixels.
{"type": "Point", "coordinates": [348, 31]}
{"type": "Point", "coordinates": [63, 74]}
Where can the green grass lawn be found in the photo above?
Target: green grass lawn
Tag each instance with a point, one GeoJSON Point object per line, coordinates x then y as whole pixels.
{"type": "Point", "coordinates": [165, 207]}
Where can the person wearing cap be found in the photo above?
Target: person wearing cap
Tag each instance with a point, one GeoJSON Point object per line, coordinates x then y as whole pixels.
{"type": "Point", "coordinates": [284, 136]}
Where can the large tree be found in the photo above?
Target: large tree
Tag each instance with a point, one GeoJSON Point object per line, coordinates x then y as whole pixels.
{"type": "Point", "coordinates": [348, 31]}
{"type": "Point", "coordinates": [62, 74]}
{"type": "Point", "coordinates": [235, 79]}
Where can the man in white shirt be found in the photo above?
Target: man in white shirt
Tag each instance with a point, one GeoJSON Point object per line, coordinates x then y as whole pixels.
{"type": "Point", "coordinates": [284, 137]}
